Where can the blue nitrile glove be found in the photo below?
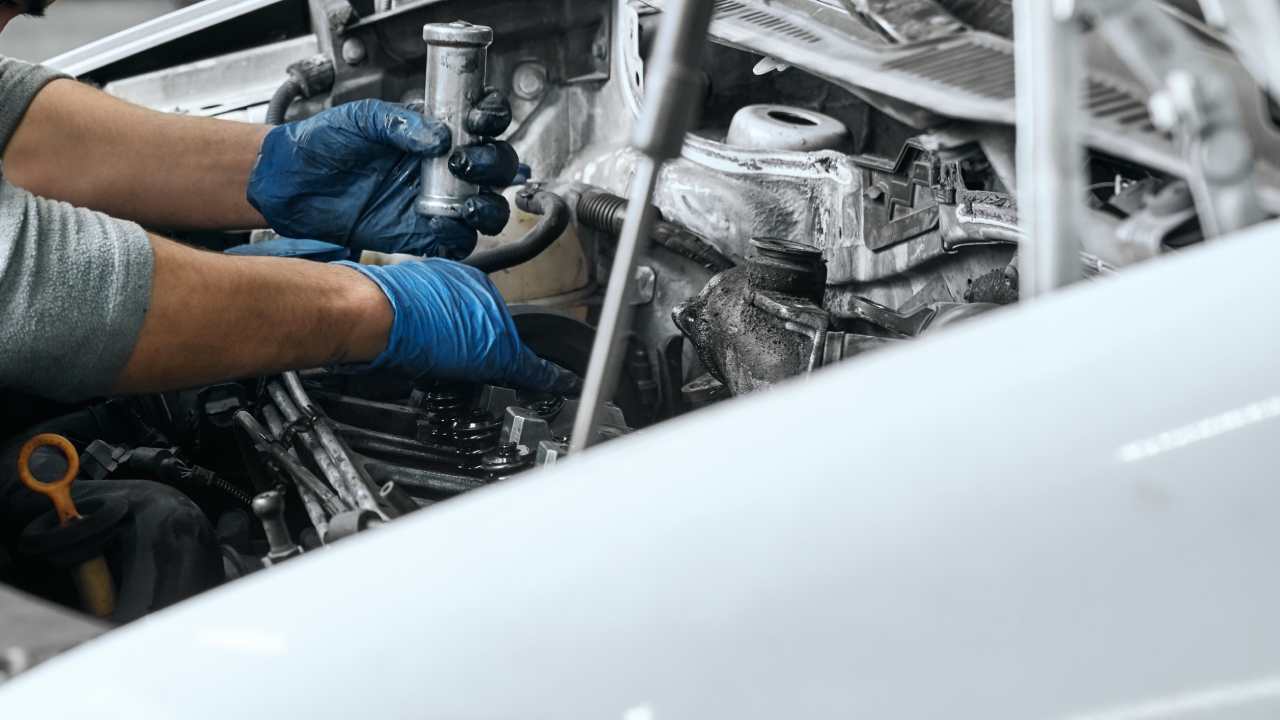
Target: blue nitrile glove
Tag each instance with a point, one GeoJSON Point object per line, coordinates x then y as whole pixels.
{"type": "Point", "coordinates": [350, 175]}
{"type": "Point", "coordinates": [451, 324]}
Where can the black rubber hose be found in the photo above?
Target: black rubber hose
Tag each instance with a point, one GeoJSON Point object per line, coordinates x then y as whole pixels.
{"type": "Point", "coordinates": [284, 96]}
{"type": "Point", "coordinates": [307, 78]}
{"type": "Point", "coordinates": [555, 218]}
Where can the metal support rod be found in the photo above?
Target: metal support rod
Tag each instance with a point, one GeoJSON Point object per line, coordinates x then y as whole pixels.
{"type": "Point", "coordinates": [606, 357]}
{"type": "Point", "coordinates": [674, 87]}
{"type": "Point", "coordinates": [1051, 184]}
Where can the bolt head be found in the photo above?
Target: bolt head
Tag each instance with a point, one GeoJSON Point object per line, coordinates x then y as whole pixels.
{"type": "Point", "coordinates": [353, 51]}
{"type": "Point", "coordinates": [268, 504]}
{"type": "Point", "coordinates": [529, 81]}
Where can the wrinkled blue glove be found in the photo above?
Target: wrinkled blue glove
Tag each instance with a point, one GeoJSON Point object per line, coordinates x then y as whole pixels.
{"type": "Point", "coordinates": [350, 175]}
{"type": "Point", "coordinates": [451, 324]}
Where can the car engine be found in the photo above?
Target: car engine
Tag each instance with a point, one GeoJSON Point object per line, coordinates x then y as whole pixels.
{"type": "Point", "coordinates": [849, 185]}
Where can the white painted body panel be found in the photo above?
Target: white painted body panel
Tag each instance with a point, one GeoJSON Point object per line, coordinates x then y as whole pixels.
{"type": "Point", "coordinates": [1074, 510]}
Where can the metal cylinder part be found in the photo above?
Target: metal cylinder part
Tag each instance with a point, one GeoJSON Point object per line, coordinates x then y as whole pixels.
{"type": "Point", "coordinates": [781, 127]}
{"type": "Point", "coordinates": [789, 267]}
{"type": "Point", "coordinates": [269, 507]}
{"type": "Point", "coordinates": [457, 59]}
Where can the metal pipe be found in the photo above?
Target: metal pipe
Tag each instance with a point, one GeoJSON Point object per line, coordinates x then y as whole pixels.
{"type": "Point", "coordinates": [275, 422]}
{"type": "Point", "coordinates": [362, 489]}
{"type": "Point", "coordinates": [1049, 151]}
{"type": "Point", "coordinates": [435, 484]}
{"type": "Point", "coordinates": [307, 439]}
{"type": "Point", "coordinates": [320, 501]}
{"type": "Point", "coordinates": [314, 492]}
{"type": "Point", "coordinates": [675, 86]}
{"type": "Point", "coordinates": [394, 496]}
{"type": "Point", "coordinates": [457, 58]}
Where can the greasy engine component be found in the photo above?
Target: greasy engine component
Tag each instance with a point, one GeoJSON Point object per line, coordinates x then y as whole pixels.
{"type": "Point", "coordinates": [438, 440]}
{"type": "Point", "coordinates": [567, 342]}
{"type": "Point", "coordinates": [745, 346]}
{"type": "Point", "coordinates": [757, 325]}
{"type": "Point", "coordinates": [352, 451]}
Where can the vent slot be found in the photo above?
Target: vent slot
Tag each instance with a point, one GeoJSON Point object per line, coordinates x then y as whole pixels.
{"type": "Point", "coordinates": [970, 66]}
{"type": "Point", "coordinates": [735, 10]}
{"type": "Point", "coordinates": [1119, 106]}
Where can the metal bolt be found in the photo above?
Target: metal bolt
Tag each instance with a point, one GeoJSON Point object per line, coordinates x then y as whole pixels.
{"type": "Point", "coordinates": [507, 458]}
{"type": "Point", "coordinates": [550, 451]}
{"type": "Point", "coordinates": [353, 51]}
{"type": "Point", "coordinates": [529, 80]}
{"type": "Point", "coordinates": [646, 280]}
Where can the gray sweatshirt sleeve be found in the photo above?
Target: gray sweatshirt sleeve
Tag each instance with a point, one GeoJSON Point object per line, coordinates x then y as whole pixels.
{"type": "Point", "coordinates": [74, 284]}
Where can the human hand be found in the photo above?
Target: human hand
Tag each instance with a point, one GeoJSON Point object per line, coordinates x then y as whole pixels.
{"type": "Point", "coordinates": [351, 175]}
{"type": "Point", "coordinates": [450, 323]}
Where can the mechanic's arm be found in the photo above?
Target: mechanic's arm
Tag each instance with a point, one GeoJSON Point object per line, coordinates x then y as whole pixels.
{"type": "Point", "coordinates": [349, 175]}
{"type": "Point", "coordinates": [215, 317]}
{"type": "Point", "coordinates": [85, 147]}
{"type": "Point", "coordinates": [94, 305]}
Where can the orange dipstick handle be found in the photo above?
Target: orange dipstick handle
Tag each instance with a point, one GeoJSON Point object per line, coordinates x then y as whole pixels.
{"type": "Point", "coordinates": [58, 492]}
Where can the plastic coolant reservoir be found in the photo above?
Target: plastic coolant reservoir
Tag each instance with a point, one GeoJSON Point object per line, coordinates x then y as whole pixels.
{"type": "Point", "coordinates": [555, 278]}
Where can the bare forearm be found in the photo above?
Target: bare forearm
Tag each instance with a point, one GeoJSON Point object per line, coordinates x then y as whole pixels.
{"type": "Point", "coordinates": [85, 147]}
{"type": "Point", "coordinates": [214, 317]}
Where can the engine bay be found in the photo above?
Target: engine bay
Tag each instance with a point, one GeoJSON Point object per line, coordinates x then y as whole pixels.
{"type": "Point", "coordinates": [811, 218]}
